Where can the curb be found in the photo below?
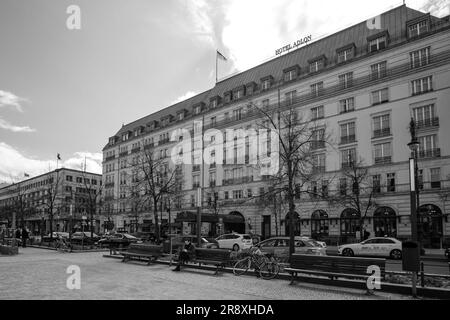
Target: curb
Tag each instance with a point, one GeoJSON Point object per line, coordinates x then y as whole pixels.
{"type": "Point", "coordinates": [73, 251]}
{"type": "Point", "coordinates": [426, 292]}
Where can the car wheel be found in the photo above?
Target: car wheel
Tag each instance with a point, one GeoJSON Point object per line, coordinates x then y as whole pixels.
{"type": "Point", "coordinates": [396, 254]}
{"type": "Point", "coordinates": [236, 247]}
{"type": "Point", "coordinates": [348, 252]}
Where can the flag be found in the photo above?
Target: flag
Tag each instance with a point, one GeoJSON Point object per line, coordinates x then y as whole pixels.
{"type": "Point", "coordinates": [58, 156]}
{"type": "Point", "coordinates": [221, 56]}
{"type": "Point", "coordinates": [26, 175]}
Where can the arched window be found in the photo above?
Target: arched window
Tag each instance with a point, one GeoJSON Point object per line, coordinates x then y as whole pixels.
{"type": "Point", "coordinates": [350, 222]}
{"type": "Point", "coordinates": [319, 224]}
{"type": "Point", "coordinates": [296, 221]}
{"type": "Point", "coordinates": [384, 222]}
{"type": "Point", "coordinates": [430, 226]}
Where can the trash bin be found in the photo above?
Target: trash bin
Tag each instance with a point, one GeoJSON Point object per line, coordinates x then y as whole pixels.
{"type": "Point", "coordinates": [411, 256]}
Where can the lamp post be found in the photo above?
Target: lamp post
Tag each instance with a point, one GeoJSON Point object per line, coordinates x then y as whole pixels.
{"type": "Point", "coordinates": [414, 199]}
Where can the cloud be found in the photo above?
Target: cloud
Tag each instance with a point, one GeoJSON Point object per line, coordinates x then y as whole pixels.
{"type": "Point", "coordinates": [185, 96]}
{"type": "Point", "coordinates": [8, 126]}
{"type": "Point", "coordinates": [15, 163]}
{"type": "Point", "coordinates": [10, 99]}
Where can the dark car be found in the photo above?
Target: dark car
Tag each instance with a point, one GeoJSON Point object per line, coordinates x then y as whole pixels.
{"type": "Point", "coordinates": [118, 239]}
{"type": "Point", "coordinates": [179, 241]}
{"type": "Point", "coordinates": [447, 253]}
{"type": "Point", "coordinates": [144, 236]}
{"type": "Point", "coordinates": [85, 238]}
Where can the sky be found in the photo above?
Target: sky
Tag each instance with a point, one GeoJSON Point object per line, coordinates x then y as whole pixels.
{"type": "Point", "coordinates": [67, 91]}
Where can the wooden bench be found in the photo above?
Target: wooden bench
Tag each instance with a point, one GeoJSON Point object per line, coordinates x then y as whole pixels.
{"type": "Point", "coordinates": [216, 257]}
{"type": "Point", "coordinates": [142, 252]}
{"type": "Point", "coordinates": [334, 267]}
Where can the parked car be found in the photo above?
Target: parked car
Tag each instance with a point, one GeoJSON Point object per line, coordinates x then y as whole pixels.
{"type": "Point", "coordinates": [144, 236]}
{"type": "Point", "coordinates": [55, 235]}
{"type": "Point", "coordinates": [119, 239]}
{"type": "Point", "coordinates": [447, 253]}
{"type": "Point", "coordinates": [320, 243]}
{"type": "Point", "coordinates": [85, 238]}
{"type": "Point", "coordinates": [279, 247]}
{"type": "Point", "coordinates": [374, 247]}
{"type": "Point", "coordinates": [235, 241]}
{"type": "Point", "coordinates": [179, 241]}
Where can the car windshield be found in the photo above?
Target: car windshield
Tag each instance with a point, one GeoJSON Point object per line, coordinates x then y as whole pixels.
{"type": "Point", "coordinates": [246, 237]}
{"type": "Point", "coordinates": [129, 236]}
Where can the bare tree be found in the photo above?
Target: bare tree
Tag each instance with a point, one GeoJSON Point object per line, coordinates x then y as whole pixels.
{"type": "Point", "coordinates": [296, 137]}
{"type": "Point", "coordinates": [153, 180]}
{"type": "Point", "coordinates": [362, 193]}
{"type": "Point", "coordinates": [91, 194]}
{"type": "Point", "coordinates": [51, 198]}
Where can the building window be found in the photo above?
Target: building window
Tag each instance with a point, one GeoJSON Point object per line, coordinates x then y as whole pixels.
{"type": "Point", "coordinates": [319, 224]}
{"type": "Point", "coordinates": [347, 105]}
{"type": "Point", "coordinates": [345, 55]}
{"type": "Point", "coordinates": [381, 126]}
{"type": "Point", "coordinates": [343, 186]}
{"type": "Point", "coordinates": [376, 183]}
{"type": "Point", "coordinates": [378, 70]}
{"type": "Point", "coordinates": [195, 181]}
{"type": "Point", "coordinates": [239, 94]}
{"type": "Point", "coordinates": [226, 195]}
{"type": "Point", "coordinates": [324, 188]}
{"type": "Point", "coordinates": [380, 96]}
{"type": "Point", "coordinates": [265, 85]}
{"type": "Point", "coordinates": [418, 29]}
{"type": "Point", "coordinates": [317, 89]}
{"type": "Point", "coordinates": [421, 86]}
{"type": "Point", "coordinates": [237, 194]}
{"type": "Point", "coordinates": [213, 121]}
{"type": "Point", "coordinates": [348, 133]}
{"type": "Point", "coordinates": [425, 116]}
{"type": "Point", "coordinates": [313, 189]}
{"type": "Point", "coordinates": [290, 75]}
{"type": "Point", "coordinates": [237, 114]}
{"type": "Point", "coordinates": [383, 153]}
{"type": "Point", "coordinates": [316, 65]}
{"type": "Point", "coordinates": [435, 178]}
{"type": "Point", "coordinates": [318, 139]}
{"type": "Point", "coordinates": [290, 97]}
{"type": "Point", "coordinates": [317, 113]}
{"type": "Point", "coordinates": [79, 180]}
{"type": "Point", "coordinates": [428, 147]}
{"type": "Point", "coordinates": [420, 179]}
{"type": "Point", "coordinates": [69, 178]}
{"type": "Point", "coordinates": [213, 103]}
{"type": "Point", "coordinates": [249, 193]}
{"type": "Point", "coordinates": [346, 80]}
{"type": "Point", "coordinates": [379, 43]}
{"type": "Point", "coordinates": [348, 157]}
{"type": "Point", "coordinates": [319, 162]}
{"type": "Point", "coordinates": [420, 57]}
{"type": "Point", "coordinates": [391, 182]}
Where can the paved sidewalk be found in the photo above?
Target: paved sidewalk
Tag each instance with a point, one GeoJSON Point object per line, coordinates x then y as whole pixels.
{"type": "Point", "coordinates": [41, 274]}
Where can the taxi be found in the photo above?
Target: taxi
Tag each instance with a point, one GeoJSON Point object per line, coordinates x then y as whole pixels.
{"type": "Point", "coordinates": [374, 247]}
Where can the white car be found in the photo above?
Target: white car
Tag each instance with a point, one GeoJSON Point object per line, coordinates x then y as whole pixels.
{"type": "Point", "coordinates": [375, 247]}
{"type": "Point", "coordinates": [320, 243]}
{"type": "Point", "coordinates": [235, 241]}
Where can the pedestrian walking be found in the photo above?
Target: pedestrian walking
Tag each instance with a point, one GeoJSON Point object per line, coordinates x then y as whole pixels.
{"type": "Point", "coordinates": [25, 237]}
{"type": "Point", "coordinates": [18, 233]}
{"type": "Point", "coordinates": [186, 253]}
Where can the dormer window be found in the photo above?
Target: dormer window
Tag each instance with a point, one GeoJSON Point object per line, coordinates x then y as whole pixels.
{"type": "Point", "coordinates": [239, 93]}
{"type": "Point", "coordinates": [266, 83]}
{"type": "Point", "coordinates": [250, 88]}
{"type": "Point", "coordinates": [125, 136]}
{"type": "Point", "coordinates": [112, 140]}
{"type": "Point", "coordinates": [291, 73]}
{"type": "Point", "coordinates": [180, 116]}
{"type": "Point", "coordinates": [316, 64]}
{"type": "Point", "coordinates": [378, 42]}
{"type": "Point", "coordinates": [228, 96]}
{"type": "Point", "coordinates": [417, 29]}
{"type": "Point", "coordinates": [214, 102]}
{"type": "Point", "coordinates": [345, 53]}
{"type": "Point", "coordinates": [198, 108]}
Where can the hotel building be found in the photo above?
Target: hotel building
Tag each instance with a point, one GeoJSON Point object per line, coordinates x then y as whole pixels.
{"type": "Point", "coordinates": [364, 84]}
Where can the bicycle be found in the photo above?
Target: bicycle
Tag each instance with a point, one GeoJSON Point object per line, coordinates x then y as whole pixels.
{"type": "Point", "coordinates": [62, 246]}
{"type": "Point", "coordinates": [267, 267]}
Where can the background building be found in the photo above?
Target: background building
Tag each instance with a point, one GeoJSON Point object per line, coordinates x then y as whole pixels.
{"type": "Point", "coordinates": [362, 85]}
{"type": "Point", "coordinates": [63, 198]}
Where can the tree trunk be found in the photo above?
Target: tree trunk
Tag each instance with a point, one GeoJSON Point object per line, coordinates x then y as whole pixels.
{"type": "Point", "coordinates": [155, 213]}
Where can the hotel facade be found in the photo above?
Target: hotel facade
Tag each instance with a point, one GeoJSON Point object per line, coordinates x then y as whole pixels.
{"type": "Point", "coordinates": [363, 84]}
{"type": "Point", "coordinates": [63, 191]}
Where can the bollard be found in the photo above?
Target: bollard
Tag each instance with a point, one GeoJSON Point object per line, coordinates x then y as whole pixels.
{"type": "Point", "coordinates": [422, 275]}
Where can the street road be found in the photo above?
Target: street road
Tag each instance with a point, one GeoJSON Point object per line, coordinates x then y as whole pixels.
{"type": "Point", "coordinates": [41, 274]}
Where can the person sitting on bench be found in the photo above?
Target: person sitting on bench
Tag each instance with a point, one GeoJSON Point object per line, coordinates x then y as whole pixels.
{"type": "Point", "coordinates": [185, 254]}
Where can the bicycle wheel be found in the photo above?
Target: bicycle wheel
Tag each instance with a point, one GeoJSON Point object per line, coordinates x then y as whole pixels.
{"type": "Point", "coordinates": [241, 266]}
{"type": "Point", "coordinates": [269, 270]}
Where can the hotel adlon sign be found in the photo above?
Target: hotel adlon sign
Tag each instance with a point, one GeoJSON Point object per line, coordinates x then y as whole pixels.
{"type": "Point", "coordinates": [295, 45]}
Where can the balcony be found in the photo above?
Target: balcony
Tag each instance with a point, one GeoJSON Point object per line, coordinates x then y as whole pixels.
{"type": "Point", "coordinates": [163, 141]}
{"type": "Point", "coordinates": [431, 153]}
{"type": "Point", "coordinates": [427, 123]}
{"type": "Point", "coordinates": [123, 154]}
{"type": "Point", "coordinates": [212, 165]}
{"type": "Point", "coordinates": [315, 145]}
{"type": "Point", "coordinates": [382, 133]}
{"type": "Point", "coordinates": [110, 158]}
{"type": "Point", "coordinates": [348, 139]}
{"type": "Point", "coordinates": [234, 181]}
{"type": "Point", "coordinates": [135, 150]}
{"type": "Point", "coordinates": [383, 160]}
{"type": "Point", "coordinates": [196, 185]}
{"type": "Point", "coordinates": [109, 185]}
{"type": "Point", "coordinates": [196, 168]}
{"type": "Point", "coordinates": [149, 146]}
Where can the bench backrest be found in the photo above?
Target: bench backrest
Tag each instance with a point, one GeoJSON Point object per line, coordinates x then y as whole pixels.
{"type": "Point", "coordinates": [212, 254]}
{"type": "Point", "coordinates": [349, 265]}
{"type": "Point", "coordinates": [144, 248]}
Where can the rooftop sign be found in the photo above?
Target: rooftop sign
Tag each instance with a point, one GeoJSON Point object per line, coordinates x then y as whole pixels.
{"type": "Point", "coordinates": [295, 45]}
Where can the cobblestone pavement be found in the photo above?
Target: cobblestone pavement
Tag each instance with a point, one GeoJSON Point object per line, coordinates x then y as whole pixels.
{"type": "Point", "coordinates": [41, 274]}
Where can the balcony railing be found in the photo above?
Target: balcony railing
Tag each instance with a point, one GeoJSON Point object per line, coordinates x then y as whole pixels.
{"type": "Point", "coordinates": [109, 185]}
{"type": "Point", "coordinates": [149, 146]}
{"type": "Point", "coordinates": [317, 145]}
{"type": "Point", "coordinates": [348, 139]}
{"type": "Point", "coordinates": [123, 154]}
{"type": "Point", "coordinates": [163, 141]}
{"type": "Point", "coordinates": [427, 123]}
{"type": "Point", "coordinates": [110, 158]}
{"type": "Point", "coordinates": [228, 182]}
{"type": "Point", "coordinates": [431, 153]}
{"type": "Point", "coordinates": [135, 150]}
{"type": "Point", "coordinates": [382, 133]}
{"type": "Point", "coordinates": [383, 160]}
